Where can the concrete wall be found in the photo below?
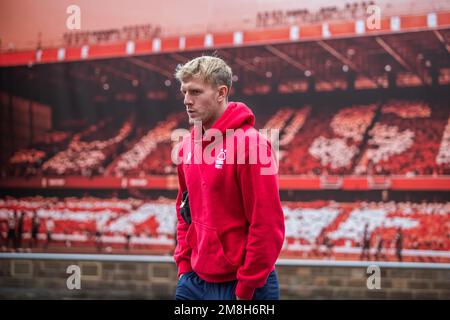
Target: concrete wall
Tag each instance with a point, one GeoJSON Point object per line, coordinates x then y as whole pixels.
{"type": "Point", "coordinates": [46, 279]}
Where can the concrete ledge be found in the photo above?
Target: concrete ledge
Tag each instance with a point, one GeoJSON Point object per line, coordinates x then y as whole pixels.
{"type": "Point", "coordinates": [169, 259]}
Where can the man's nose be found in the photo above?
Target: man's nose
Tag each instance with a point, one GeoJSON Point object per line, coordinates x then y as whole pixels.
{"type": "Point", "coordinates": [187, 100]}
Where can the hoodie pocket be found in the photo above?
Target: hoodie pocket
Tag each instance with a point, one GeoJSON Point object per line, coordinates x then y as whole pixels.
{"type": "Point", "coordinates": [208, 255]}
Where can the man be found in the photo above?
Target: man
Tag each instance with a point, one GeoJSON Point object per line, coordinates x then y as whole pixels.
{"type": "Point", "coordinates": [399, 243]}
{"type": "Point", "coordinates": [379, 245]}
{"type": "Point", "coordinates": [11, 237]}
{"type": "Point", "coordinates": [50, 226]}
{"type": "Point", "coordinates": [35, 224]}
{"type": "Point", "coordinates": [19, 233]}
{"type": "Point", "coordinates": [365, 252]}
{"type": "Point", "coordinates": [230, 222]}
{"type": "Point", "coordinates": [98, 236]}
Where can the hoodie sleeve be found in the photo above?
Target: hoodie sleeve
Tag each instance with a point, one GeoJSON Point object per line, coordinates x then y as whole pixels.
{"type": "Point", "coordinates": [260, 194]}
{"type": "Point", "coordinates": [182, 251]}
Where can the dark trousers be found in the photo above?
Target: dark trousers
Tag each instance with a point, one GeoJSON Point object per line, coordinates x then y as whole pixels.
{"type": "Point", "coordinates": [192, 287]}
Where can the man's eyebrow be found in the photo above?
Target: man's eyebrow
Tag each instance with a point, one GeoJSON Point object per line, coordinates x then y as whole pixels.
{"type": "Point", "coordinates": [190, 89]}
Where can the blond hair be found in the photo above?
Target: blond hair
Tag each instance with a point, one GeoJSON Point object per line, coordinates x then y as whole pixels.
{"type": "Point", "coordinates": [212, 70]}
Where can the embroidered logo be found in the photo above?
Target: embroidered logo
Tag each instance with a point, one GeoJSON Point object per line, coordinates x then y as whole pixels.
{"type": "Point", "coordinates": [220, 158]}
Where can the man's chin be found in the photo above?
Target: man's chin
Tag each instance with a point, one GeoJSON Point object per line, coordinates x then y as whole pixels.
{"type": "Point", "coordinates": [194, 120]}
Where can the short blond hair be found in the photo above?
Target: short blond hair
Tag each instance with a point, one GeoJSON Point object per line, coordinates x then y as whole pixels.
{"type": "Point", "coordinates": [212, 70]}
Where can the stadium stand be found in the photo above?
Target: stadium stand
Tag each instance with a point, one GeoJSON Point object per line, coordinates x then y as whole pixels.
{"type": "Point", "coordinates": [329, 141]}
{"type": "Point", "coordinates": [151, 225]}
{"type": "Point", "coordinates": [88, 151]}
{"type": "Point", "coordinates": [405, 140]}
{"type": "Point", "coordinates": [139, 158]}
{"type": "Point", "coordinates": [408, 137]}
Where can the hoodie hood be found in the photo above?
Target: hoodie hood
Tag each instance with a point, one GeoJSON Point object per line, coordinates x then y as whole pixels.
{"type": "Point", "coordinates": [236, 115]}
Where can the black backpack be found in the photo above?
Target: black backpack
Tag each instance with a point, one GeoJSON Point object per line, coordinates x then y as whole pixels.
{"type": "Point", "coordinates": [185, 211]}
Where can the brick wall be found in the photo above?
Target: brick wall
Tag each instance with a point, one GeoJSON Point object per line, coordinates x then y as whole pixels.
{"type": "Point", "coordinates": [39, 278]}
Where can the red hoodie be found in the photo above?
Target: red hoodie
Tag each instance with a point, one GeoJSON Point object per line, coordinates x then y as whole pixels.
{"type": "Point", "coordinates": [237, 228]}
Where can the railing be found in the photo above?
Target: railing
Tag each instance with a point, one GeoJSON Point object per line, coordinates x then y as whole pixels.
{"type": "Point", "coordinates": [286, 182]}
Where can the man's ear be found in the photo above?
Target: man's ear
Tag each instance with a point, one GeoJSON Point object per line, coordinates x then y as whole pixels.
{"type": "Point", "coordinates": [223, 93]}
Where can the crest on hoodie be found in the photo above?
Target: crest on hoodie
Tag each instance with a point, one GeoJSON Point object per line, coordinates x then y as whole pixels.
{"type": "Point", "coordinates": [220, 159]}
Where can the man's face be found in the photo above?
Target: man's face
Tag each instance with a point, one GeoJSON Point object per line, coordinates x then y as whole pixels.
{"type": "Point", "coordinates": [201, 101]}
